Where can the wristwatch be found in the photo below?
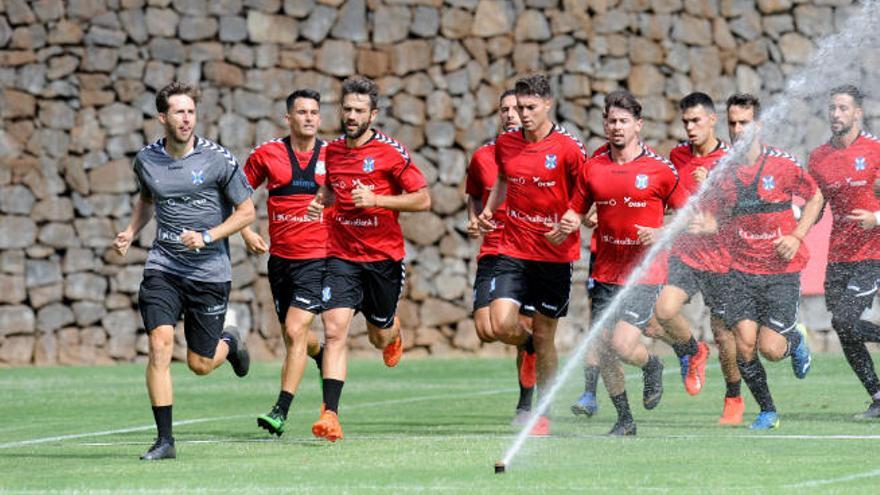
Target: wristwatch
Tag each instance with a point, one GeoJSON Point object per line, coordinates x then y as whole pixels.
{"type": "Point", "coordinates": [206, 237]}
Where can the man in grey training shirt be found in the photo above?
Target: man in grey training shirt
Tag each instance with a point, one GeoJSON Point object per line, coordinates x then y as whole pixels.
{"type": "Point", "coordinates": [200, 197]}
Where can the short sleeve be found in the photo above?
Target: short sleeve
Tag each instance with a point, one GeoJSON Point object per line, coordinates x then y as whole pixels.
{"type": "Point", "coordinates": [234, 183]}
{"type": "Point", "coordinates": [474, 182]}
{"type": "Point", "coordinates": [581, 200]}
{"type": "Point", "coordinates": [804, 186]}
{"type": "Point", "coordinates": [410, 177]}
{"type": "Point", "coordinates": [255, 169]}
{"type": "Point", "coordinates": [678, 197]}
{"type": "Point", "coordinates": [145, 191]}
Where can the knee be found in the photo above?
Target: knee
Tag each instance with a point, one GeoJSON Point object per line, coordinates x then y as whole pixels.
{"type": "Point", "coordinates": [665, 313]}
{"type": "Point", "coordinates": [484, 331]}
{"type": "Point", "coordinates": [199, 365]}
{"type": "Point", "coordinates": [161, 347]}
{"type": "Point", "coordinates": [543, 340]}
{"type": "Point", "coordinates": [772, 353]}
{"type": "Point", "coordinates": [295, 333]}
{"type": "Point", "coordinates": [745, 350]}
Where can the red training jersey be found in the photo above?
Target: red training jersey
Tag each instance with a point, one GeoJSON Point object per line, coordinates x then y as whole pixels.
{"type": "Point", "coordinates": [540, 181]}
{"type": "Point", "coordinates": [846, 177]}
{"type": "Point", "coordinates": [383, 166]}
{"type": "Point", "coordinates": [482, 172]}
{"type": "Point", "coordinates": [627, 194]}
{"type": "Point", "coordinates": [701, 252]}
{"type": "Point", "coordinates": [756, 200]}
{"type": "Point", "coordinates": [293, 179]}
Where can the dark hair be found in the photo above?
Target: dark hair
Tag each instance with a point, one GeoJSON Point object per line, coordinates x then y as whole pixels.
{"type": "Point", "coordinates": [849, 89]}
{"type": "Point", "coordinates": [533, 84]}
{"type": "Point", "coordinates": [310, 94]}
{"type": "Point", "coordinates": [623, 100]}
{"type": "Point", "coordinates": [360, 85]}
{"type": "Point", "coordinates": [746, 100]}
{"type": "Point", "coordinates": [505, 94]}
{"type": "Point", "coordinates": [175, 88]}
{"type": "Point", "coordinates": [697, 99]}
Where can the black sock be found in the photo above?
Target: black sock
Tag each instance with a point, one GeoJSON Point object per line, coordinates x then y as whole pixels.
{"type": "Point", "coordinates": [230, 341]}
{"type": "Point", "coordinates": [687, 349]}
{"type": "Point", "coordinates": [525, 398]}
{"type": "Point", "coordinates": [591, 378]}
{"type": "Point", "coordinates": [624, 415]}
{"type": "Point", "coordinates": [528, 345]}
{"type": "Point", "coordinates": [756, 379]}
{"type": "Point", "coordinates": [162, 415]}
{"type": "Point", "coordinates": [332, 391]}
{"type": "Point", "coordinates": [653, 363]}
{"type": "Point", "coordinates": [319, 358]}
{"type": "Point", "coordinates": [860, 361]}
{"type": "Point", "coordinates": [794, 339]}
{"type": "Point", "coordinates": [284, 400]}
{"type": "Point", "coordinates": [867, 331]}
{"type": "Point", "coordinates": [733, 389]}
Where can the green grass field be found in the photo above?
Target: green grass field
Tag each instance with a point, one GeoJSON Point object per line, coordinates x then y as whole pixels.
{"type": "Point", "coordinates": [429, 426]}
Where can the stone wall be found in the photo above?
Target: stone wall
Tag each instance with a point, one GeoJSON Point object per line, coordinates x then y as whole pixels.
{"type": "Point", "coordinates": [79, 77]}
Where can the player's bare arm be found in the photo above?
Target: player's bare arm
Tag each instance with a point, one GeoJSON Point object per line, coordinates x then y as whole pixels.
{"type": "Point", "coordinates": [474, 207]}
{"type": "Point", "coordinates": [141, 214]}
{"type": "Point", "coordinates": [787, 245]}
{"type": "Point", "coordinates": [496, 199]}
{"type": "Point", "coordinates": [867, 219]}
{"type": "Point", "coordinates": [243, 215]}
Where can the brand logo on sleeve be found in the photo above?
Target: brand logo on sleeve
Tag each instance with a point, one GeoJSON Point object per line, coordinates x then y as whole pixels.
{"type": "Point", "coordinates": [860, 163]}
{"type": "Point", "coordinates": [768, 182]}
{"type": "Point", "coordinates": [198, 177]}
{"type": "Point", "coordinates": [369, 164]}
{"type": "Point", "coordinates": [641, 181]}
{"type": "Point", "coordinates": [550, 161]}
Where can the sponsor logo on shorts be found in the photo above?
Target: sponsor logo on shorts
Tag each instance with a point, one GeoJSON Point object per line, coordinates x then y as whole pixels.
{"type": "Point", "coordinates": [303, 300]}
{"type": "Point", "coordinates": [550, 161]}
{"type": "Point", "coordinates": [198, 177]}
{"type": "Point", "coordinates": [379, 318]}
{"type": "Point", "coordinates": [632, 313]}
{"type": "Point", "coordinates": [325, 294]}
{"type": "Point", "coordinates": [768, 182]}
{"type": "Point", "coordinates": [641, 181]}
{"type": "Point", "coordinates": [492, 285]}
{"type": "Point", "coordinates": [774, 321]}
{"type": "Point", "coordinates": [549, 306]}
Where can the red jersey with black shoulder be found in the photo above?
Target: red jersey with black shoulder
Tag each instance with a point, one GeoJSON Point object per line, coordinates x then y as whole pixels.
{"type": "Point", "coordinates": [383, 166]}
{"type": "Point", "coordinates": [627, 194]}
{"type": "Point", "coordinates": [701, 252]}
{"type": "Point", "coordinates": [540, 181]}
{"type": "Point", "coordinates": [482, 172]}
{"type": "Point", "coordinates": [846, 177]}
{"type": "Point", "coordinates": [755, 202]}
{"type": "Point", "coordinates": [293, 179]}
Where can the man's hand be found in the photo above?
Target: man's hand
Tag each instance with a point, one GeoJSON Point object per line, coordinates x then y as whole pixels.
{"type": "Point", "coordinates": [864, 217]}
{"type": "Point", "coordinates": [569, 222]}
{"type": "Point", "coordinates": [592, 220]}
{"type": "Point", "coordinates": [192, 240]}
{"type": "Point", "coordinates": [363, 197]}
{"type": "Point", "coordinates": [787, 246]}
{"type": "Point", "coordinates": [647, 235]}
{"type": "Point", "coordinates": [254, 242]}
{"type": "Point", "coordinates": [702, 224]}
{"type": "Point", "coordinates": [484, 222]}
{"type": "Point", "coordinates": [315, 208]}
{"type": "Point", "coordinates": [699, 174]}
{"type": "Point", "coordinates": [122, 242]}
{"type": "Point", "coordinates": [473, 228]}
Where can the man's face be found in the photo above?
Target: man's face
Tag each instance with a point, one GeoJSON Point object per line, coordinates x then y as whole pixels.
{"type": "Point", "coordinates": [357, 116]}
{"type": "Point", "coordinates": [843, 114]}
{"type": "Point", "coordinates": [699, 124]}
{"type": "Point", "coordinates": [621, 127]}
{"type": "Point", "coordinates": [304, 118]}
{"type": "Point", "coordinates": [180, 118]}
{"type": "Point", "coordinates": [533, 110]}
{"type": "Point", "coordinates": [507, 113]}
{"type": "Point", "coordinates": [738, 119]}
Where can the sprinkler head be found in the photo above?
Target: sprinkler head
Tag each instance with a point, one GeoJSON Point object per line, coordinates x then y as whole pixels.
{"type": "Point", "coordinates": [499, 467]}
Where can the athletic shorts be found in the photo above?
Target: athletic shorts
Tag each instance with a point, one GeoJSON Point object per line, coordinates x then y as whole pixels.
{"type": "Point", "coordinates": [712, 285]}
{"type": "Point", "coordinates": [297, 284]}
{"type": "Point", "coordinates": [770, 300]}
{"type": "Point", "coordinates": [483, 282]}
{"type": "Point", "coordinates": [636, 309]}
{"type": "Point", "coordinates": [544, 284]}
{"type": "Point", "coordinates": [371, 287]}
{"type": "Point", "coordinates": [163, 297]}
{"type": "Point", "coordinates": [850, 288]}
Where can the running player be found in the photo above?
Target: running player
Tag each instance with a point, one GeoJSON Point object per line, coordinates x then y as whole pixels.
{"type": "Point", "coordinates": [294, 169]}
{"type": "Point", "coordinates": [481, 175]}
{"type": "Point", "coordinates": [372, 178]}
{"type": "Point", "coordinates": [844, 169]}
{"type": "Point", "coordinates": [631, 187]}
{"type": "Point", "coordinates": [201, 197]}
{"type": "Point", "coordinates": [537, 167]}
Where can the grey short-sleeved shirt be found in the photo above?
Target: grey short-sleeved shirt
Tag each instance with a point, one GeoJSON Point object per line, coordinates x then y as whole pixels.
{"type": "Point", "coordinates": [196, 192]}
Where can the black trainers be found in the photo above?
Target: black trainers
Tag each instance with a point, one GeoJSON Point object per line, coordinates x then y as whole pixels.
{"type": "Point", "coordinates": [624, 429]}
{"type": "Point", "coordinates": [240, 360]}
{"type": "Point", "coordinates": [162, 449]}
{"type": "Point", "coordinates": [653, 376]}
{"type": "Point", "coordinates": [873, 411]}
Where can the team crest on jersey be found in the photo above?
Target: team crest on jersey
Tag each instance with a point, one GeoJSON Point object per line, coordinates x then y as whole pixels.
{"type": "Point", "coordinates": [768, 182]}
{"type": "Point", "coordinates": [550, 161]}
{"type": "Point", "coordinates": [641, 181]}
{"type": "Point", "coordinates": [320, 168]}
{"type": "Point", "coordinates": [369, 164]}
{"type": "Point", "coordinates": [860, 163]}
{"type": "Point", "coordinates": [198, 177]}
{"type": "Point", "coordinates": [325, 294]}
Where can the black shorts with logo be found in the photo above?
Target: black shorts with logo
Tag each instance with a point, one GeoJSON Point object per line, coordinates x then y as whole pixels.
{"type": "Point", "coordinates": [850, 288]}
{"type": "Point", "coordinates": [296, 283]}
{"type": "Point", "coordinates": [371, 287]}
{"type": "Point", "coordinates": [163, 297]}
{"type": "Point", "coordinates": [636, 309]}
{"type": "Point", "coordinates": [544, 284]}
{"type": "Point", "coordinates": [483, 284]}
{"type": "Point", "coordinates": [770, 300]}
{"type": "Point", "coordinates": [712, 285]}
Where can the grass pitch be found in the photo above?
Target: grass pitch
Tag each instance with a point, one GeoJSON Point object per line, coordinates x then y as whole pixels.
{"type": "Point", "coordinates": [429, 426]}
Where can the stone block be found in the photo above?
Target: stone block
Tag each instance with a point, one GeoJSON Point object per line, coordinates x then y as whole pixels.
{"type": "Point", "coordinates": [17, 349]}
{"type": "Point", "coordinates": [351, 21]}
{"type": "Point", "coordinates": [422, 228]}
{"type": "Point", "coordinates": [58, 235]}
{"type": "Point", "coordinates": [197, 27]}
{"type": "Point", "coordinates": [114, 177]}
{"type": "Point", "coordinates": [410, 56]}
{"type": "Point", "coordinates": [12, 289]}
{"type": "Point", "coordinates": [85, 286]}
{"type": "Point", "coordinates": [336, 58]}
{"type": "Point", "coordinates": [265, 28]}
{"type": "Point", "coordinates": [53, 317]}
{"type": "Point", "coordinates": [492, 18]}
{"type": "Point", "coordinates": [42, 272]}
{"type": "Point", "coordinates": [435, 312]}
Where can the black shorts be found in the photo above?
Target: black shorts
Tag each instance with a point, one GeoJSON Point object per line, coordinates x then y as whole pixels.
{"type": "Point", "coordinates": [770, 300]}
{"type": "Point", "coordinates": [636, 310]}
{"type": "Point", "coordinates": [544, 284]}
{"type": "Point", "coordinates": [296, 283]}
{"type": "Point", "coordinates": [371, 287]}
{"type": "Point", "coordinates": [712, 285]}
{"type": "Point", "coordinates": [163, 297]}
{"type": "Point", "coordinates": [483, 282]}
{"type": "Point", "coordinates": [850, 288]}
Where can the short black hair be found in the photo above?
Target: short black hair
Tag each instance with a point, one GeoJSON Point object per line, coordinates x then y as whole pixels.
{"type": "Point", "coordinates": [360, 85]}
{"type": "Point", "coordinates": [852, 90]}
{"type": "Point", "coordinates": [310, 94]}
{"type": "Point", "coordinates": [746, 100]}
{"type": "Point", "coordinates": [697, 99]}
{"type": "Point", "coordinates": [623, 100]}
{"type": "Point", "coordinates": [505, 94]}
{"type": "Point", "coordinates": [535, 85]}
{"type": "Point", "coordinates": [175, 88]}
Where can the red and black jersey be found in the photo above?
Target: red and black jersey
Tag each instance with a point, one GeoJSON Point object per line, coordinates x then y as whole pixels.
{"type": "Point", "coordinates": [702, 252]}
{"type": "Point", "coordinates": [755, 203]}
{"type": "Point", "coordinates": [540, 181]}
{"type": "Point", "coordinates": [293, 179]}
{"type": "Point", "coordinates": [482, 172]}
{"type": "Point", "coordinates": [383, 166]}
{"type": "Point", "coordinates": [846, 177]}
{"type": "Point", "coordinates": [626, 195]}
